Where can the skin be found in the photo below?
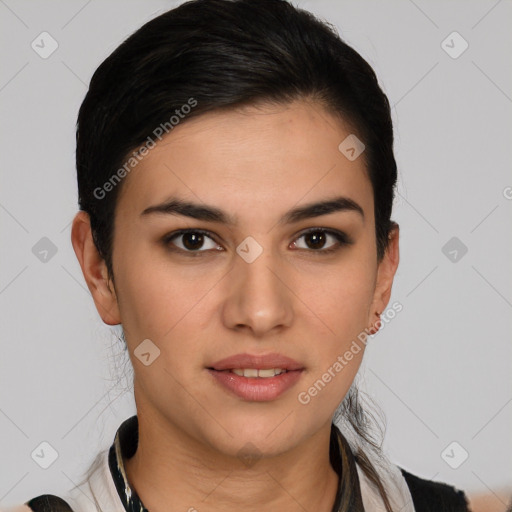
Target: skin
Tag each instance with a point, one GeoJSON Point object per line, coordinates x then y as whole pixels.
{"type": "Point", "coordinates": [256, 164]}
{"type": "Point", "coordinates": [500, 500]}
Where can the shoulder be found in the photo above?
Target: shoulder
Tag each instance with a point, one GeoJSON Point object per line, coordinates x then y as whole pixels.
{"type": "Point", "coordinates": [430, 496]}
{"type": "Point", "coordinates": [439, 497]}
{"type": "Point", "coordinates": [43, 503]}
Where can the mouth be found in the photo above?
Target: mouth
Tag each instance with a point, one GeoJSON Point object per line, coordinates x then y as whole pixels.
{"type": "Point", "coordinates": [253, 362]}
{"type": "Point", "coordinates": [256, 373]}
{"type": "Point", "coordinates": [256, 378]}
{"type": "Point", "coordinates": [256, 389]}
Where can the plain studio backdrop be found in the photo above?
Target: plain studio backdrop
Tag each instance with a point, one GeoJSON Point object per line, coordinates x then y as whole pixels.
{"type": "Point", "coordinates": [440, 370]}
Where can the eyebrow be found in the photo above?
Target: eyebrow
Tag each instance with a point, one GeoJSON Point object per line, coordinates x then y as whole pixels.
{"type": "Point", "coordinates": [176, 206]}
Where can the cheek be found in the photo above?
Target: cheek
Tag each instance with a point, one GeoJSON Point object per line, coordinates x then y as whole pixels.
{"type": "Point", "coordinates": [342, 295]}
{"type": "Point", "coordinates": [339, 298]}
{"type": "Point", "coordinates": [341, 302]}
{"type": "Point", "coordinates": [156, 297]}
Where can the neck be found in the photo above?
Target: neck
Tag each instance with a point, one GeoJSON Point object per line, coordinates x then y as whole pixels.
{"type": "Point", "coordinates": [172, 471]}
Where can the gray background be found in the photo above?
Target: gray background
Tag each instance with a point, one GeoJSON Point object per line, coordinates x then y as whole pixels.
{"type": "Point", "coordinates": [441, 370]}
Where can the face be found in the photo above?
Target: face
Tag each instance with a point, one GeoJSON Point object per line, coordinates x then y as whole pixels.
{"type": "Point", "coordinates": [249, 276]}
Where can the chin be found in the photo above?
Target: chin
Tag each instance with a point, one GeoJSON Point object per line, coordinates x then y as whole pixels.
{"type": "Point", "coordinates": [256, 435]}
{"type": "Point", "coordinates": [249, 449]}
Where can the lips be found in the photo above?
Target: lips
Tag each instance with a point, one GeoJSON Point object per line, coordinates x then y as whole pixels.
{"type": "Point", "coordinates": [256, 378]}
{"type": "Point", "coordinates": [260, 362]}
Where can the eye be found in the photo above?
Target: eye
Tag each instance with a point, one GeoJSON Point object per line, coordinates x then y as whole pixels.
{"type": "Point", "coordinates": [196, 242]}
{"type": "Point", "coordinates": [317, 238]}
{"type": "Point", "coordinates": [191, 240]}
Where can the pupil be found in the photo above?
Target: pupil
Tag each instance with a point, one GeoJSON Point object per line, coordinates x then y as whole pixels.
{"type": "Point", "coordinates": [192, 240]}
{"type": "Point", "coordinates": [318, 238]}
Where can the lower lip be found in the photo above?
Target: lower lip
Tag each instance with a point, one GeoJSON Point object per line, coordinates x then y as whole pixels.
{"type": "Point", "coordinates": [257, 389]}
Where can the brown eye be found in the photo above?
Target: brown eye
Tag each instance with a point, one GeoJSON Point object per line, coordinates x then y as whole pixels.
{"type": "Point", "coordinates": [191, 241]}
{"type": "Point", "coordinates": [316, 239]}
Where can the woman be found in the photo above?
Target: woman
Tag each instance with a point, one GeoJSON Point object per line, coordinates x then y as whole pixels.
{"type": "Point", "coordinates": [236, 179]}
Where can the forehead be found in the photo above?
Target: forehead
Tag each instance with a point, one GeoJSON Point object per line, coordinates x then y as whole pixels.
{"type": "Point", "coordinates": [260, 158]}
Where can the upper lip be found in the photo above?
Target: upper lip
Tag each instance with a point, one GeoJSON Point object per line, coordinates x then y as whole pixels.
{"type": "Point", "coordinates": [262, 362]}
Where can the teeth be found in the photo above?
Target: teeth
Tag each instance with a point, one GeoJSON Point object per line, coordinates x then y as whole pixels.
{"type": "Point", "coordinates": [254, 372]}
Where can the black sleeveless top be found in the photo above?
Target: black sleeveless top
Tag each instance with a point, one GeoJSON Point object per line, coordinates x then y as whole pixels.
{"type": "Point", "coordinates": [428, 496]}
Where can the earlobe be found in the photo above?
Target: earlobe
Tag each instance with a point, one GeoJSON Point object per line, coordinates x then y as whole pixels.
{"type": "Point", "coordinates": [94, 269]}
{"type": "Point", "coordinates": [385, 276]}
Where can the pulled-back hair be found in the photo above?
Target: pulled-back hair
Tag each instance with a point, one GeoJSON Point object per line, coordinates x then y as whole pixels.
{"type": "Point", "coordinates": [210, 55]}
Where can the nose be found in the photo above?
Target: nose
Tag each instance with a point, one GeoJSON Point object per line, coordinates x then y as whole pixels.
{"type": "Point", "coordinates": [258, 300]}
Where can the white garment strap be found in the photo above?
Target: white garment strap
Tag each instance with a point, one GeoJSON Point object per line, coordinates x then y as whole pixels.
{"type": "Point", "coordinates": [99, 493]}
{"type": "Point", "coordinates": [396, 488]}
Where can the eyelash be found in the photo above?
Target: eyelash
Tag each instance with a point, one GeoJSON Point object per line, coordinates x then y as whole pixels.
{"type": "Point", "coordinates": [341, 238]}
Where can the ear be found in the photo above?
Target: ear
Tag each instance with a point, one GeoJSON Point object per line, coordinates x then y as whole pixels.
{"type": "Point", "coordinates": [94, 269]}
{"type": "Point", "coordinates": [385, 275]}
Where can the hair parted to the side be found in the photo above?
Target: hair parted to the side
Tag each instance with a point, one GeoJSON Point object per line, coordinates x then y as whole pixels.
{"type": "Point", "coordinates": [224, 54]}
